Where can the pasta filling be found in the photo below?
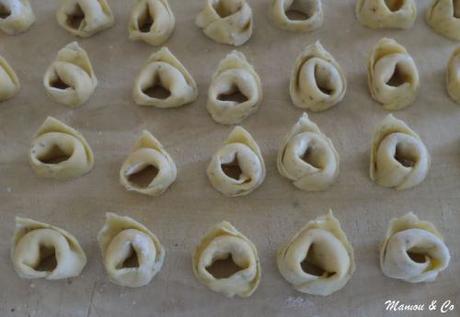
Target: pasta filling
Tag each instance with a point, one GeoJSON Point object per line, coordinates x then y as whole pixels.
{"type": "Point", "coordinates": [76, 17]}
{"type": "Point", "coordinates": [394, 5]}
{"type": "Point", "coordinates": [223, 268]}
{"type": "Point", "coordinates": [144, 176]}
{"type": "Point", "coordinates": [232, 169]}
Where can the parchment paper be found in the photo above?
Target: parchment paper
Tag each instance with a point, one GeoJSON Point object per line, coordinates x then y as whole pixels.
{"type": "Point", "coordinates": [111, 123]}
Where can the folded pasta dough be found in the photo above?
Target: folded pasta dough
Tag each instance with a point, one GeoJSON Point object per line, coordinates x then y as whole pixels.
{"type": "Point", "coordinates": [453, 76]}
{"type": "Point", "coordinates": [59, 151]}
{"type": "Point", "coordinates": [226, 21]}
{"type": "Point", "coordinates": [16, 16]}
{"type": "Point", "coordinates": [70, 79]}
{"type": "Point", "coordinates": [225, 243]}
{"type": "Point", "coordinates": [399, 159]}
{"type": "Point", "coordinates": [413, 250]}
{"type": "Point", "coordinates": [235, 91]}
{"type": "Point", "coordinates": [311, 11]}
{"type": "Point", "coordinates": [85, 18]}
{"type": "Point", "coordinates": [392, 75]}
{"type": "Point", "coordinates": [307, 157]}
{"type": "Point", "coordinates": [132, 254]}
{"type": "Point", "coordinates": [149, 169]}
{"type": "Point", "coordinates": [319, 259]}
{"type": "Point", "coordinates": [164, 82]}
{"type": "Point", "coordinates": [399, 14]}
{"type": "Point", "coordinates": [152, 21]}
{"type": "Point", "coordinates": [238, 167]}
{"type": "Point", "coordinates": [9, 82]}
{"type": "Point", "coordinates": [444, 17]}
{"type": "Point", "coordinates": [317, 80]}
{"type": "Point", "coordinates": [40, 250]}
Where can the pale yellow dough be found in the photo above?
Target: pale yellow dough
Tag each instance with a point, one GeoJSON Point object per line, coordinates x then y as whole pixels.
{"type": "Point", "coordinates": [317, 80]}
{"type": "Point", "coordinates": [398, 14]}
{"type": "Point", "coordinates": [148, 151]}
{"type": "Point", "coordinates": [164, 69]}
{"type": "Point", "coordinates": [413, 250]}
{"type": "Point", "coordinates": [392, 75]}
{"type": "Point", "coordinates": [444, 17]}
{"type": "Point", "coordinates": [226, 21]}
{"type": "Point", "coordinates": [399, 159]}
{"type": "Point", "coordinates": [234, 75]}
{"type": "Point", "coordinates": [324, 246]}
{"type": "Point", "coordinates": [221, 242]}
{"type": "Point", "coordinates": [152, 21]}
{"type": "Point", "coordinates": [241, 152]}
{"type": "Point", "coordinates": [84, 18]}
{"type": "Point", "coordinates": [453, 76]}
{"type": "Point", "coordinates": [122, 239]}
{"type": "Point", "coordinates": [307, 157]}
{"type": "Point", "coordinates": [70, 79]}
{"type": "Point", "coordinates": [59, 151]}
{"type": "Point", "coordinates": [311, 9]}
{"type": "Point", "coordinates": [9, 82]}
{"type": "Point", "coordinates": [34, 245]}
{"type": "Point", "coordinates": [16, 16]}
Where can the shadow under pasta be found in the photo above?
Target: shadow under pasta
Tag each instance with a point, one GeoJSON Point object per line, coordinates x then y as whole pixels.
{"type": "Point", "coordinates": [55, 155]}
{"type": "Point", "coordinates": [223, 268]}
{"type": "Point", "coordinates": [76, 17]}
{"type": "Point", "coordinates": [143, 177]}
{"type": "Point", "coordinates": [5, 12]}
{"type": "Point", "coordinates": [47, 259]}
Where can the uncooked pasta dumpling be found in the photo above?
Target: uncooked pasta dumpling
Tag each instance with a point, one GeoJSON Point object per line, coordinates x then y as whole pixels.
{"type": "Point", "coordinates": [307, 157]}
{"type": "Point", "coordinates": [85, 18]}
{"type": "Point", "coordinates": [297, 15]}
{"type": "Point", "coordinates": [317, 80]}
{"type": "Point", "coordinates": [413, 250]}
{"type": "Point", "coordinates": [226, 21]}
{"type": "Point", "coordinates": [152, 21]}
{"type": "Point", "coordinates": [16, 16]}
{"type": "Point", "coordinates": [59, 151]}
{"type": "Point", "coordinates": [453, 76]}
{"type": "Point", "coordinates": [227, 262]}
{"type": "Point", "coordinates": [9, 82]}
{"type": "Point", "coordinates": [132, 254]}
{"type": "Point", "coordinates": [164, 82]}
{"type": "Point", "coordinates": [399, 14]}
{"type": "Point", "coordinates": [149, 169]}
{"type": "Point", "coordinates": [319, 259]}
{"type": "Point", "coordinates": [444, 17]}
{"type": "Point", "coordinates": [40, 250]}
{"type": "Point", "coordinates": [238, 167]}
{"type": "Point", "coordinates": [70, 79]}
{"type": "Point", "coordinates": [392, 75]}
{"type": "Point", "coordinates": [235, 91]}
{"type": "Point", "coordinates": [399, 159]}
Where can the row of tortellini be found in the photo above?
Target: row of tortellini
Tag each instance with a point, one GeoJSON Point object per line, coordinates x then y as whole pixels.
{"type": "Point", "coordinates": [317, 81]}
{"type": "Point", "coordinates": [307, 157]}
{"type": "Point", "coordinates": [317, 260]}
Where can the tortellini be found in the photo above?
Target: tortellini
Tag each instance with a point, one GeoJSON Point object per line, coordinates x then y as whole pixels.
{"type": "Point", "coordinates": [317, 80]}
{"type": "Point", "coordinates": [226, 21]}
{"type": "Point", "coordinates": [85, 18]}
{"type": "Point", "coordinates": [164, 82]}
{"type": "Point", "coordinates": [307, 15]}
{"type": "Point", "coordinates": [152, 21]}
{"type": "Point", "coordinates": [70, 79]}
{"type": "Point", "coordinates": [149, 169]}
{"type": "Point", "coordinates": [319, 259]}
{"type": "Point", "coordinates": [40, 250]}
{"type": "Point", "coordinates": [444, 17]}
{"type": "Point", "coordinates": [9, 82]}
{"type": "Point", "coordinates": [307, 157]}
{"type": "Point", "coordinates": [392, 75]}
{"type": "Point", "coordinates": [132, 254]}
{"type": "Point", "coordinates": [399, 14]}
{"type": "Point", "coordinates": [227, 262]}
{"type": "Point", "coordinates": [235, 91]}
{"type": "Point", "coordinates": [238, 167]}
{"type": "Point", "coordinates": [453, 76]}
{"type": "Point", "coordinates": [399, 159]}
{"type": "Point", "coordinates": [16, 16]}
{"type": "Point", "coordinates": [413, 250]}
{"type": "Point", "coordinates": [59, 151]}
